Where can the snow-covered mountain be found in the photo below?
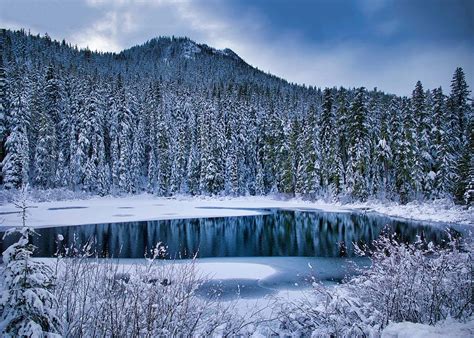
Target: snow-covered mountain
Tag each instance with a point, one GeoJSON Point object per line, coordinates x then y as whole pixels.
{"type": "Point", "coordinates": [174, 116]}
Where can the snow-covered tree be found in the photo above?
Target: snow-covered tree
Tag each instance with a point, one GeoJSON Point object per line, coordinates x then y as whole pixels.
{"type": "Point", "coordinates": [3, 100]}
{"type": "Point", "coordinates": [27, 305]}
{"type": "Point", "coordinates": [159, 118]}
{"type": "Point", "coordinates": [359, 145]}
{"type": "Point", "coordinates": [16, 162]}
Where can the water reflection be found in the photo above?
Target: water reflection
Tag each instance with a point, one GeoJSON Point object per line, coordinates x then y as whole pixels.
{"type": "Point", "coordinates": [279, 233]}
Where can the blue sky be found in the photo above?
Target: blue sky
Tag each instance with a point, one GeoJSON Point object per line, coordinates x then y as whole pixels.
{"type": "Point", "coordinates": [389, 44]}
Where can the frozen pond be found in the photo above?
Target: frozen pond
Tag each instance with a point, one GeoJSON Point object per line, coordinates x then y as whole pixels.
{"type": "Point", "coordinates": [275, 234]}
{"type": "Point", "coordinates": [299, 245]}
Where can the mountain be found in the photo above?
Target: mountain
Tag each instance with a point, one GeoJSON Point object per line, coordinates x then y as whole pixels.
{"type": "Point", "coordinates": [173, 116]}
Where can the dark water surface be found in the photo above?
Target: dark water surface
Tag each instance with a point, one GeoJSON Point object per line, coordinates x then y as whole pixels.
{"type": "Point", "coordinates": [276, 234]}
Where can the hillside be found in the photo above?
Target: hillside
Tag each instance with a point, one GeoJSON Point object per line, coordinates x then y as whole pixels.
{"type": "Point", "coordinates": [173, 116]}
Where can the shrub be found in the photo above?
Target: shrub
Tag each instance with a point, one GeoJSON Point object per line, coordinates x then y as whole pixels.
{"type": "Point", "coordinates": [105, 297]}
{"type": "Point", "coordinates": [419, 282]}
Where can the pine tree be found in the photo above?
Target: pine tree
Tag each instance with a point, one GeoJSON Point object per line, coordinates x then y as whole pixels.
{"type": "Point", "coordinates": [396, 143]}
{"type": "Point", "coordinates": [3, 102]}
{"type": "Point", "coordinates": [274, 138]}
{"type": "Point", "coordinates": [459, 116]}
{"type": "Point", "coordinates": [151, 106]}
{"type": "Point", "coordinates": [77, 146]}
{"type": "Point", "coordinates": [359, 145]}
{"type": "Point", "coordinates": [180, 152]}
{"type": "Point", "coordinates": [123, 138]}
{"type": "Point", "coordinates": [194, 169]}
{"type": "Point", "coordinates": [445, 165]}
{"type": "Point", "coordinates": [46, 153]}
{"type": "Point", "coordinates": [342, 118]}
{"type": "Point", "coordinates": [16, 162]}
{"type": "Point", "coordinates": [327, 141]}
{"type": "Point", "coordinates": [407, 155]}
{"type": "Point", "coordinates": [384, 154]}
{"type": "Point", "coordinates": [459, 105]}
{"type": "Point", "coordinates": [423, 159]}
{"type": "Point", "coordinates": [27, 303]}
{"type": "Point", "coordinates": [138, 155]}
{"type": "Point", "coordinates": [163, 155]}
{"type": "Point", "coordinates": [469, 182]}
{"type": "Point", "coordinates": [305, 181]}
{"type": "Point", "coordinates": [290, 157]}
{"type": "Point", "coordinates": [89, 139]}
{"type": "Point", "coordinates": [464, 186]}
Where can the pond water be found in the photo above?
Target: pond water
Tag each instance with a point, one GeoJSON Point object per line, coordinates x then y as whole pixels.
{"type": "Point", "coordinates": [275, 233]}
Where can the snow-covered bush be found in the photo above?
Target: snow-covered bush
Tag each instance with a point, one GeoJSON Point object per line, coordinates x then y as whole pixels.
{"type": "Point", "coordinates": [105, 297]}
{"type": "Point", "coordinates": [419, 283]}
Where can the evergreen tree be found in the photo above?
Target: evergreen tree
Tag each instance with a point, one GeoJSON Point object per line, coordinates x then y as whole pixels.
{"type": "Point", "coordinates": [123, 138]}
{"type": "Point", "coordinates": [46, 152]}
{"type": "Point", "coordinates": [423, 158]}
{"type": "Point", "coordinates": [138, 155]}
{"type": "Point", "coordinates": [359, 144]}
{"type": "Point", "coordinates": [445, 166]}
{"type": "Point", "coordinates": [327, 141]}
{"type": "Point", "coordinates": [459, 106]}
{"type": "Point", "coordinates": [27, 303]}
{"type": "Point", "coordinates": [15, 164]}
{"type": "Point", "coordinates": [469, 181]}
{"type": "Point", "coordinates": [151, 107]}
{"type": "Point", "coordinates": [459, 115]}
{"type": "Point", "coordinates": [384, 155]}
{"type": "Point", "coordinates": [407, 155]}
{"type": "Point", "coordinates": [3, 102]}
{"type": "Point", "coordinates": [306, 180]}
{"type": "Point", "coordinates": [180, 152]}
{"type": "Point", "coordinates": [342, 117]}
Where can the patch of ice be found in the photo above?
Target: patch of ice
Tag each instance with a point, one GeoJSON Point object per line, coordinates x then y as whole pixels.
{"type": "Point", "coordinates": [226, 270]}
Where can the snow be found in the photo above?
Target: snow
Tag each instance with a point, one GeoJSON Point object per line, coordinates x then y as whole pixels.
{"type": "Point", "coordinates": [145, 207]}
{"type": "Point", "coordinates": [190, 49]}
{"type": "Point", "coordinates": [279, 273]}
{"type": "Point", "coordinates": [446, 329]}
{"type": "Point", "coordinates": [225, 270]}
{"type": "Point", "coordinates": [436, 211]}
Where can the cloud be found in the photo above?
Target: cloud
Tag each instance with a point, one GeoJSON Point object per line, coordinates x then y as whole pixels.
{"type": "Point", "coordinates": [382, 53]}
{"type": "Point", "coordinates": [394, 68]}
{"type": "Point", "coordinates": [102, 35]}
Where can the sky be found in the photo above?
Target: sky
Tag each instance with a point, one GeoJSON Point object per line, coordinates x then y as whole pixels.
{"type": "Point", "coordinates": [388, 44]}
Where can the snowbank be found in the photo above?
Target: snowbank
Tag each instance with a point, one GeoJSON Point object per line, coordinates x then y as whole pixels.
{"type": "Point", "coordinates": [446, 329]}
{"type": "Point", "coordinates": [144, 207]}
{"type": "Point", "coordinates": [436, 211]}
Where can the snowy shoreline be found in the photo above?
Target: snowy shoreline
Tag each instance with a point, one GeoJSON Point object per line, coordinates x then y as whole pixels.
{"type": "Point", "coordinates": [147, 207]}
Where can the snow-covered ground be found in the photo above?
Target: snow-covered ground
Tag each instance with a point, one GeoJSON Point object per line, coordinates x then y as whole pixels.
{"type": "Point", "coordinates": [445, 329]}
{"type": "Point", "coordinates": [435, 211]}
{"type": "Point", "coordinates": [148, 207]}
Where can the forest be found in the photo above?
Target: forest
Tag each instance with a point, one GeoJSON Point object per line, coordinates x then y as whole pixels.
{"type": "Point", "coordinates": [175, 117]}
